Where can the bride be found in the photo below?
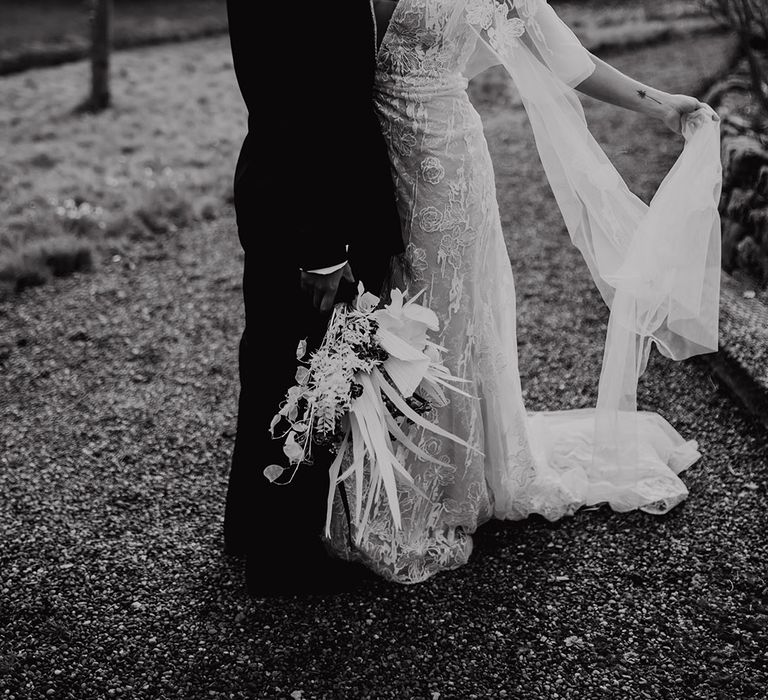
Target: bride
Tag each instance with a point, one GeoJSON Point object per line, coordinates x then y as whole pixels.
{"type": "Point", "coordinates": [656, 267]}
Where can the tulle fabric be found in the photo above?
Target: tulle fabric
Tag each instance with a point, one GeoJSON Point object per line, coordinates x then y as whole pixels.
{"type": "Point", "coordinates": [656, 267]}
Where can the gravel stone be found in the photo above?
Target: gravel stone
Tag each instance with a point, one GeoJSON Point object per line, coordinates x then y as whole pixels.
{"type": "Point", "coordinates": [115, 450]}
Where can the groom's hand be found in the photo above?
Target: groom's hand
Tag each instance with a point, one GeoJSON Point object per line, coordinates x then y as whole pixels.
{"type": "Point", "coordinates": [322, 289]}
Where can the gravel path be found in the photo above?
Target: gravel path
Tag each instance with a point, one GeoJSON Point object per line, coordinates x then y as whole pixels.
{"type": "Point", "coordinates": [117, 400]}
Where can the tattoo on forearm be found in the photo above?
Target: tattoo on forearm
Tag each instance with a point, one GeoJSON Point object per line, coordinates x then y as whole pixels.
{"type": "Point", "coordinates": [645, 96]}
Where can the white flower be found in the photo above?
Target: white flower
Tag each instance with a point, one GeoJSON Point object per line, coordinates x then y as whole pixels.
{"type": "Point", "coordinates": [481, 13]}
{"type": "Point", "coordinates": [402, 334]}
{"type": "Point", "coordinates": [433, 353]}
{"type": "Point", "coordinates": [430, 219]}
{"type": "Point", "coordinates": [507, 33]}
{"type": "Point", "coordinates": [301, 350]}
{"type": "Point", "coordinates": [432, 170]}
{"type": "Point", "coordinates": [513, 28]}
{"type": "Point", "coordinates": [409, 321]}
{"type": "Point", "coordinates": [365, 301]}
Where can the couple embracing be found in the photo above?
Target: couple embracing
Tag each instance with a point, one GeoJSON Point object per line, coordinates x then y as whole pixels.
{"type": "Point", "coordinates": [366, 162]}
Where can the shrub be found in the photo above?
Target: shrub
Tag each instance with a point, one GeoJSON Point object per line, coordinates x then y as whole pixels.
{"type": "Point", "coordinates": [18, 273]}
{"type": "Point", "coordinates": [43, 160]}
{"type": "Point", "coordinates": [68, 217]}
{"type": "Point", "coordinates": [748, 258]}
{"type": "Point", "coordinates": [208, 208]}
{"type": "Point", "coordinates": [36, 262]}
{"type": "Point", "coordinates": [63, 255]}
{"type": "Point", "coordinates": [749, 19]}
{"type": "Point", "coordinates": [165, 210]}
{"type": "Point", "coordinates": [127, 226]}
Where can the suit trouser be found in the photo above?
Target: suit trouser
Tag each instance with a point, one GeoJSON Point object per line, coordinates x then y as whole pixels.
{"type": "Point", "coordinates": [261, 517]}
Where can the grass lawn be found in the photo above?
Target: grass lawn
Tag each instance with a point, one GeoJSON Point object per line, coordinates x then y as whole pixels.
{"type": "Point", "coordinates": [35, 33]}
{"type": "Point", "coordinates": [45, 32]}
{"type": "Point", "coordinates": [163, 156]}
{"type": "Point", "coordinates": [76, 187]}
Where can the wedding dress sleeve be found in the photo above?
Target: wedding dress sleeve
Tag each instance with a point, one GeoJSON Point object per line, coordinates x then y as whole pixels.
{"type": "Point", "coordinates": [657, 267]}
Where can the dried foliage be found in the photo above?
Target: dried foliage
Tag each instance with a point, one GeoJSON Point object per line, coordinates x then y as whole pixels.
{"type": "Point", "coordinates": [749, 20]}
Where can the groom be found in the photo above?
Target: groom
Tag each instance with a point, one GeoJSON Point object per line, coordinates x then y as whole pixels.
{"type": "Point", "coordinates": [315, 205]}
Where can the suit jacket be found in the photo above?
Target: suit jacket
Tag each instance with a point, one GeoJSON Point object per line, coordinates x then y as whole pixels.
{"type": "Point", "coordinates": [313, 174]}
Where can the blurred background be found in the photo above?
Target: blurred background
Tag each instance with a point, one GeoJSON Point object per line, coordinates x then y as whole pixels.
{"type": "Point", "coordinates": [73, 184]}
{"type": "Point", "coordinates": [46, 32]}
{"type": "Point", "coordinates": [120, 122]}
{"type": "Point", "coordinates": [120, 314]}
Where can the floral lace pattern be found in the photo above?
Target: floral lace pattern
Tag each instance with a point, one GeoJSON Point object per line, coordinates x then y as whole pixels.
{"type": "Point", "coordinates": [445, 187]}
{"type": "Point", "coordinates": [455, 250]}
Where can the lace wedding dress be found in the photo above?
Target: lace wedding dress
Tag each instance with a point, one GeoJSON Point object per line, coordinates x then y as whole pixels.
{"type": "Point", "coordinates": [546, 463]}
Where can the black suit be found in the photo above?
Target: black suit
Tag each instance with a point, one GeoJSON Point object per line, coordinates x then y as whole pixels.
{"type": "Point", "coordinates": [313, 176]}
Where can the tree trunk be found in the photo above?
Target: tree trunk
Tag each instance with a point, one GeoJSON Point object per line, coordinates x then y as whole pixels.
{"type": "Point", "coordinates": [101, 46]}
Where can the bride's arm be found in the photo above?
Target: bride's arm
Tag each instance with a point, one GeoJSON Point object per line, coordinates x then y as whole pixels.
{"type": "Point", "coordinates": [611, 85]}
{"type": "Point", "coordinates": [537, 26]}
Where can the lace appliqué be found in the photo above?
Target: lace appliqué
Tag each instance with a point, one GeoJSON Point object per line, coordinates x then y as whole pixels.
{"type": "Point", "coordinates": [455, 250]}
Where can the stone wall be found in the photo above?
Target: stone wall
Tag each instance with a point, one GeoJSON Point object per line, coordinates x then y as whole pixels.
{"type": "Point", "coordinates": [744, 204]}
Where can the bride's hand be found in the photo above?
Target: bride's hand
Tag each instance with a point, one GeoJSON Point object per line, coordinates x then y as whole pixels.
{"type": "Point", "coordinates": [678, 106]}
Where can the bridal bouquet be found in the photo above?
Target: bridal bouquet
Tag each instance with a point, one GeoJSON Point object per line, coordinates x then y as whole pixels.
{"type": "Point", "coordinates": [375, 373]}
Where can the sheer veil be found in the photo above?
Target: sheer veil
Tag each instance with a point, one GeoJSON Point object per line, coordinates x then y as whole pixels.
{"type": "Point", "coordinates": [657, 267]}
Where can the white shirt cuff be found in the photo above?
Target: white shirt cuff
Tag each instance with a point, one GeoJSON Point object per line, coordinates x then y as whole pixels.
{"type": "Point", "coordinates": [328, 270]}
